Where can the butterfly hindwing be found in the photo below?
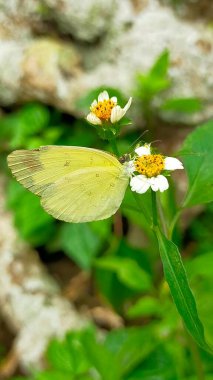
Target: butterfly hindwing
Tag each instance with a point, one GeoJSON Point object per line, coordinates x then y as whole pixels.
{"type": "Point", "coordinates": [86, 195]}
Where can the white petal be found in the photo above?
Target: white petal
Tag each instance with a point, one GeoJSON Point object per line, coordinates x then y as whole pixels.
{"type": "Point", "coordinates": [103, 96]}
{"type": "Point", "coordinates": [159, 183]}
{"type": "Point", "coordinates": [171, 163]}
{"type": "Point", "coordinates": [93, 119]}
{"type": "Point", "coordinates": [128, 104]}
{"type": "Point", "coordinates": [114, 99]}
{"type": "Point", "coordinates": [94, 103]}
{"type": "Point", "coordinates": [145, 149]}
{"type": "Point", "coordinates": [140, 184]}
{"type": "Point", "coordinates": [118, 112]}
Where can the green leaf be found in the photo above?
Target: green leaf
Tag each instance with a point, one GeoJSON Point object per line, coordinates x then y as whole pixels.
{"type": "Point", "coordinates": [102, 228]}
{"type": "Point", "coordinates": [101, 358]}
{"type": "Point", "coordinates": [207, 377]}
{"type": "Point", "coordinates": [160, 365]}
{"type": "Point", "coordinates": [130, 346]}
{"type": "Point", "coordinates": [200, 272]}
{"type": "Point", "coordinates": [34, 116]}
{"type": "Point", "coordinates": [145, 307]}
{"type": "Point", "coordinates": [54, 375]}
{"type": "Point", "coordinates": [128, 272]}
{"type": "Point", "coordinates": [80, 243]}
{"type": "Point", "coordinates": [176, 277]}
{"type": "Point", "coordinates": [155, 81]}
{"type": "Point", "coordinates": [183, 105]}
{"type": "Point", "coordinates": [59, 356]}
{"type": "Point", "coordinates": [149, 86]}
{"type": "Point", "coordinates": [19, 126]}
{"type": "Point", "coordinates": [137, 208]}
{"type": "Point", "coordinates": [200, 265]}
{"type": "Point", "coordinates": [198, 164]}
{"type": "Point", "coordinates": [68, 355]}
{"type": "Point", "coordinates": [32, 222]}
{"type": "Point", "coordinates": [116, 292]}
{"type": "Point", "coordinates": [161, 65]}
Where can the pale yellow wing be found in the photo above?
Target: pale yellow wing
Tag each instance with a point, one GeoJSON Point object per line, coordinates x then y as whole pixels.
{"type": "Point", "coordinates": [86, 194]}
{"type": "Point", "coordinates": [39, 168]}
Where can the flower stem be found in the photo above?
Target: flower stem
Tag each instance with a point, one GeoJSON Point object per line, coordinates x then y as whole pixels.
{"type": "Point", "coordinates": [154, 210]}
{"type": "Point", "coordinates": [173, 223]}
{"type": "Point", "coordinates": [114, 147]}
{"type": "Point", "coordinates": [162, 218]}
{"type": "Point", "coordinates": [141, 208]}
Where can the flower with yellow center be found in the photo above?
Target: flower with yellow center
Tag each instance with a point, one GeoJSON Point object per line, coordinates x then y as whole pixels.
{"type": "Point", "coordinates": [106, 110]}
{"type": "Point", "coordinates": [150, 168]}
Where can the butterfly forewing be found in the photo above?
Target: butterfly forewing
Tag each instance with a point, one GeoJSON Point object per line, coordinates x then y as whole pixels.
{"type": "Point", "coordinates": [76, 184]}
{"type": "Point", "coordinates": [37, 169]}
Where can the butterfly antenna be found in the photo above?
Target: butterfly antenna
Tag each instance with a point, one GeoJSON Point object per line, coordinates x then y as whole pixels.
{"type": "Point", "coordinates": [152, 142]}
{"type": "Point", "coordinates": [138, 139]}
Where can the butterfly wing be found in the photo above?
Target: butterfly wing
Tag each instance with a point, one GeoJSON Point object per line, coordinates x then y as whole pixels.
{"type": "Point", "coordinates": [38, 168]}
{"type": "Point", "coordinates": [86, 195]}
{"type": "Point", "coordinates": [76, 184]}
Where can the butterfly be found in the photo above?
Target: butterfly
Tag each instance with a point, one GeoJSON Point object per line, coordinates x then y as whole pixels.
{"type": "Point", "coordinates": [76, 184]}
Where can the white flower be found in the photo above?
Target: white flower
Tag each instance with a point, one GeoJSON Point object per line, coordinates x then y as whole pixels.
{"type": "Point", "coordinates": [106, 109]}
{"type": "Point", "coordinates": [150, 166]}
{"type": "Point", "coordinates": [140, 183]}
{"type": "Point", "coordinates": [145, 149]}
{"type": "Point", "coordinates": [171, 163]}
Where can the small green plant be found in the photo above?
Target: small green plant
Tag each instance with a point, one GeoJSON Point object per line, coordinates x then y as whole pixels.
{"type": "Point", "coordinates": [149, 90]}
{"type": "Point", "coordinates": [128, 277]}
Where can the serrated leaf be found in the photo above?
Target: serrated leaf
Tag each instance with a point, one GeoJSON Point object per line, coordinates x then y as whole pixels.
{"type": "Point", "coordinates": [198, 164]}
{"type": "Point", "coordinates": [176, 277]}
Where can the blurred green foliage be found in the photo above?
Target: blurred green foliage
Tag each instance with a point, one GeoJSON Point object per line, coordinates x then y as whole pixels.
{"type": "Point", "coordinates": [121, 253]}
{"type": "Point", "coordinates": [151, 92]}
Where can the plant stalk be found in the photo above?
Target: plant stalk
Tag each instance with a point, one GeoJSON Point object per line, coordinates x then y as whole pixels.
{"type": "Point", "coordinates": [154, 210]}
{"type": "Point", "coordinates": [114, 147]}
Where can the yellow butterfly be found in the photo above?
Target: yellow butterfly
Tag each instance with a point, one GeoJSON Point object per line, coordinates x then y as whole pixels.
{"type": "Point", "coordinates": [76, 184]}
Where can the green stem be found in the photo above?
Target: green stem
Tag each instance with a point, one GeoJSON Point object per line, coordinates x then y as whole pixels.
{"type": "Point", "coordinates": [141, 207]}
{"type": "Point", "coordinates": [154, 209]}
{"type": "Point", "coordinates": [114, 147]}
{"type": "Point", "coordinates": [198, 365]}
{"type": "Point", "coordinates": [162, 218]}
{"type": "Point", "coordinates": [173, 223]}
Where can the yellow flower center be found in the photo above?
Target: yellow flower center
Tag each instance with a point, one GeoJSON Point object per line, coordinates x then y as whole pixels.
{"type": "Point", "coordinates": [103, 109]}
{"type": "Point", "coordinates": [149, 165]}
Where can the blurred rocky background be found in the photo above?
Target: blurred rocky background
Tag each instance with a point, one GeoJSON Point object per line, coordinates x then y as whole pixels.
{"type": "Point", "coordinates": [55, 51]}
